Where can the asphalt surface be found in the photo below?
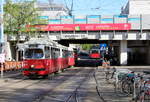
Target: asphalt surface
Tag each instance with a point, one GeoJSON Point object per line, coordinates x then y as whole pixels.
{"type": "Point", "coordinates": [55, 89]}
{"type": "Point", "coordinates": [86, 83]}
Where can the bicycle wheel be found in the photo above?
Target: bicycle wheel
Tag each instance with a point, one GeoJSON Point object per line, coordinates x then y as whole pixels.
{"type": "Point", "coordinates": [126, 88]}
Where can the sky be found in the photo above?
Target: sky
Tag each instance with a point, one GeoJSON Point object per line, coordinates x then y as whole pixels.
{"type": "Point", "coordinates": [93, 7]}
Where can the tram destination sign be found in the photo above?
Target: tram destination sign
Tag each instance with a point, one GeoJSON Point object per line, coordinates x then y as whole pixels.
{"type": "Point", "coordinates": [80, 27]}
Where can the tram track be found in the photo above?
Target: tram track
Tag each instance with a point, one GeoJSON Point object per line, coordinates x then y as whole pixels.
{"type": "Point", "coordinates": [71, 87]}
{"type": "Point", "coordinates": [75, 93]}
{"type": "Point", "coordinates": [97, 86]}
{"type": "Point", "coordinates": [63, 87]}
{"type": "Point", "coordinates": [41, 84]}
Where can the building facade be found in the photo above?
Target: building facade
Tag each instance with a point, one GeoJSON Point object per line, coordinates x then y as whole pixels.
{"type": "Point", "coordinates": [134, 7]}
{"type": "Point", "coordinates": [49, 11]}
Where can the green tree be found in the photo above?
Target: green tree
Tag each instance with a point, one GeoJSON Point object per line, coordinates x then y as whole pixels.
{"type": "Point", "coordinates": [18, 15]}
{"type": "Point", "coordinates": [87, 46]}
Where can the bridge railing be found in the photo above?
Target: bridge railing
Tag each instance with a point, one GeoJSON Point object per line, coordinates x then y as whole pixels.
{"type": "Point", "coordinates": [137, 21]}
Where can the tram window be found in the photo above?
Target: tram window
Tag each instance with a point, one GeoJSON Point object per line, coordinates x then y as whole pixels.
{"type": "Point", "coordinates": [64, 53]}
{"type": "Point", "coordinates": [34, 53]}
{"type": "Point", "coordinates": [47, 52]}
{"type": "Point", "coordinates": [53, 53]}
{"type": "Point", "coordinates": [70, 53]}
{"type": "Point", "coordinates": [57, 53]}
{"type": "Point", "coordinates": [95, 51]}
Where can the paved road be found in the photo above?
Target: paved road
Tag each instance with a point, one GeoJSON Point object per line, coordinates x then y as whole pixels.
{"type": "Point", "coordinates": [55, 89]}
{"type": "Point", "coordinates": [60, 87]}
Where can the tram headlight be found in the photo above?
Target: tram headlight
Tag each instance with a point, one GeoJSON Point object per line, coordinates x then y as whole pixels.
{"type": "Point", "coordinates": [32, 66]}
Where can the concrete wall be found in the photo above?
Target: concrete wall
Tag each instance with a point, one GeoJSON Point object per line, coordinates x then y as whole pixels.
{"type": "Point", "coordinates": [139, 7]}
{"type": "Point", "coordinates": [136, 7]}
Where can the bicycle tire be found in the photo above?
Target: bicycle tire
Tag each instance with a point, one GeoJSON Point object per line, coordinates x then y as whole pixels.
{"type": "Point", "coordinates": [126, 88]}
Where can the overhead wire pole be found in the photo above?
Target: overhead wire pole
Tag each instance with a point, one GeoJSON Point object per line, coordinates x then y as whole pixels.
{"type": "Point", "coordinates": [72, 4]}
{"type": "Point", "coordinates": [71, 8]}
{"type": "Point", "coordinates": [1, 22]}
{"type": "Point", "coordinates": [2, 56]}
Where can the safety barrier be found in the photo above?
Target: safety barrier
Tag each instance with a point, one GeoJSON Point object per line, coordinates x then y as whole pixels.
{"type": "Point", "coordinates": [12, 65]}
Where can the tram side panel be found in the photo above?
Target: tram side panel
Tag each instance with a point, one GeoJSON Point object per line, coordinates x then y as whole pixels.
{"type": "Point", "coordinates": [71, 58]}
{"type": "Point", "coordinates": [65, 58]}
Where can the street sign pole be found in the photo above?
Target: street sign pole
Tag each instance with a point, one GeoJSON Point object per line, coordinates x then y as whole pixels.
{"type": "Point", "coordinates": [1, 23]}
{"type": "Point", "coordinates": [2, 61]}
{"type": "Point", "coordinates": [1, 37]}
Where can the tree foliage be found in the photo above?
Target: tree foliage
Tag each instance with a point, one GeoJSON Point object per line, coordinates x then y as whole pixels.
{"type": "Point", "coordinates": [19, 14]}
{"type": "Point", "coordinates": [87, 46]}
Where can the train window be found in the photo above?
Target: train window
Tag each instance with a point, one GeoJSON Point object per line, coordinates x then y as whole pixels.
{"type": "Point", "coordinates": [94, 51]}
{"type": "Point", "coordinates": [53, 53]}
{"type": "Point", "coordinates": [65, 53]}
{"type": "Point", "coordinates": [34, 53]}
{"type": "Point", "coordinates": [57, 53]}
{"type": "Point", "coordinates": [47, 52]}
{"type": "Point", "coordinates": [70, 53]}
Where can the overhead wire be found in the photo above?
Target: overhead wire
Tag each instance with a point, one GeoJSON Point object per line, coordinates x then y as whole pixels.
{"type": "Point", "coordinates": [94, 6]}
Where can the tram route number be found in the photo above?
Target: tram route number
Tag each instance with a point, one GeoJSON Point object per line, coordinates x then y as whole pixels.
{"type": "Point", "coordinates": [74, 36]}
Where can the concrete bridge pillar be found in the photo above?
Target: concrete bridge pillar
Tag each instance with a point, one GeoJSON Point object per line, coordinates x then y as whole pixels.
{"type": "Point", "coordinates": [123, 52]}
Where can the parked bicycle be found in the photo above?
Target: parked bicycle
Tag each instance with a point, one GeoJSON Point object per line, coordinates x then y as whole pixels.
{"type": "Point", "coordinates": [127, 85]}
{"type": "Point", "coordinates": [109, 73]}
{"type": "Point", "coordinates": [143, 94]}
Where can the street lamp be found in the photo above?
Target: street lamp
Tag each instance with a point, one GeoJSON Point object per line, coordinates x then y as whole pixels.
{"type": "Point", "coordinates": [2, 56]}
{"type": "Point", "coordinates": [1, 24]}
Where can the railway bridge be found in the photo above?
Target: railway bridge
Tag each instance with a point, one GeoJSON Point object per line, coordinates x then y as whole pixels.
{"type": "Point", "coordinates": [128, 34]}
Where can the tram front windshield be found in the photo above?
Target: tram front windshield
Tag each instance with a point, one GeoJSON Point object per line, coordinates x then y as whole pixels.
{"type": "Point", "coordinates": [95, 51]}
{"type": "Point", "coordinates": [34, 54]}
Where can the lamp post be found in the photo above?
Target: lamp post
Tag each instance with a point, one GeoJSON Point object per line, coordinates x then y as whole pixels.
{"type": "Point", "coordinates": [2, 56]}
{"type": "Point", "coordinates": [1, 25]}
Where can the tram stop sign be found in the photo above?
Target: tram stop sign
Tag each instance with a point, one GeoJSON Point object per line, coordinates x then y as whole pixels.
{"type": "Point", "coordinates": [103, 46]}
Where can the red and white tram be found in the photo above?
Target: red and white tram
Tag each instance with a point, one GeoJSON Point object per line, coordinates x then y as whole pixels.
{"type": "Point", "coordinates": [42, 57]}
{"type": "Point", "coordinates": [95, 53]}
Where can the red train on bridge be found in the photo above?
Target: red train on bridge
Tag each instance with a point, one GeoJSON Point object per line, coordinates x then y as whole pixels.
{"type": "Point", "coordinates": [42, 57]}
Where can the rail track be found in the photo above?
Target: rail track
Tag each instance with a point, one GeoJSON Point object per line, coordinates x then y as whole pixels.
{"type": "Point", "coordinates": [74, 85]}
{"type": "Point", "coordinates": [97, 86]}
{"type": "Point", "coordinates": [26, 90]}
{"type": "Point", "coordinates": [64, 87]}
{"type": "Point", "coordinates": [75, 92]}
